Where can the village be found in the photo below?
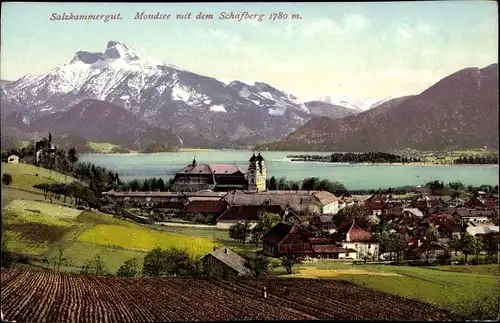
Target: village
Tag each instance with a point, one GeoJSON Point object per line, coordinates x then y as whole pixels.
{"type": "Point", "coordinates": [315, 225]}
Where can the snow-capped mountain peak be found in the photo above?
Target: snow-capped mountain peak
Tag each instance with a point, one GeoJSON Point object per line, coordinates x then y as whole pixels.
{"type": "Point", "coordinates": [244, 112]}
{"type": "Point", "coordinates": [355, 104]}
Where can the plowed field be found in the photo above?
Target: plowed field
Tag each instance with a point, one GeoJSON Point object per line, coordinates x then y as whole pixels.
{"type": "Point", "coordinates": [37, 296]}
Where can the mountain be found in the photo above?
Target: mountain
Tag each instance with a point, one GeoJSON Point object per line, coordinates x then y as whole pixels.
{"type": "Point", "coordinates": [459, 111]}
{"type": "Point", "coordinates": [359, 105]}
{"type": "Point", "coordinates": [201, 110]}
{"type": "Point", "coordinates": [101, 121]}
{"type": "Point", "coordinates": [320, 108]}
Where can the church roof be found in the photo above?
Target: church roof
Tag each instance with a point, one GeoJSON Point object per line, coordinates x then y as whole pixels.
{"type": "Point", "coordinates": [260, 158]}
{"type": "Point", "coordinates": [253, 158]}
{"type": "Point", "coordinates": [211, 169]}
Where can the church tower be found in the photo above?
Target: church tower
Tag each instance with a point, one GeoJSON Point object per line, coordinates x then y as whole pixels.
{"type": "Point", "coordinates": [257, 173]}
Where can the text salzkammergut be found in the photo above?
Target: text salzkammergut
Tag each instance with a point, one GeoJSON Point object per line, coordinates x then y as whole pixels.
{"type": "Point", "coordinates": [72, 16]}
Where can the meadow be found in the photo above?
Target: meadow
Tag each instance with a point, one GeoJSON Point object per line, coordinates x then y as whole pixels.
{"type": "Point", "coordinates": [43, 229]}
{"type": "Point", "coordinates": [450, 287]}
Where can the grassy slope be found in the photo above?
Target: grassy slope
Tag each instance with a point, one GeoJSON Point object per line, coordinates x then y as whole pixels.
{"type": "Point", "coordinates": [449, 287]}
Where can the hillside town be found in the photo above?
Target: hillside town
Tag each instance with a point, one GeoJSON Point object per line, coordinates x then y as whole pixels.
{"type": "Point", "coordinates": [317, 224]}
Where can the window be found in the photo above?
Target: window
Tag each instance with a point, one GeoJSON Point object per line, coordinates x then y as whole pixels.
{"type": "Point", "coordinates": [347, 254]}
{"type": "Point", "coordinates": [369, 246]}
{"type": "Point", "coordinates": [252, 181]}
{"type": "Point", "coordinates": [356, 245]}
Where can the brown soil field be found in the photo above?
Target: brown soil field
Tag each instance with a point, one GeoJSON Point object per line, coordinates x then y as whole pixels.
{"type": "Point", "coordinates": [40, 296]}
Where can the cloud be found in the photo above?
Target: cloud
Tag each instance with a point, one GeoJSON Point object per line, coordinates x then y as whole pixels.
{"type": "Point", "coordinates": [356, 21]}
{"type": "Point", "coordinates": [408, 31]}
{"type": "Point", "coordinates": [321, 26]}
{"type": "Point", "coordinates": [226, 42]}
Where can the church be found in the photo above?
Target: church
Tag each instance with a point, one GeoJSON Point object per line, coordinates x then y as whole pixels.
{"type": "Point", "coordinates": [222, 177]}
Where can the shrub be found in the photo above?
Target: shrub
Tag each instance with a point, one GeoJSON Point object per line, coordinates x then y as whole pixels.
{"type": "Point", "coordinates": [7, 179]}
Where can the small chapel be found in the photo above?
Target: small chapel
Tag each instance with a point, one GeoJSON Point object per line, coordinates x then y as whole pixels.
{"type": "Point", "coordinates": [222, 177]}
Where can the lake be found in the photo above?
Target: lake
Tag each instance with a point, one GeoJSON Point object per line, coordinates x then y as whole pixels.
{"type": "Point", "coordinates": [353, 176]}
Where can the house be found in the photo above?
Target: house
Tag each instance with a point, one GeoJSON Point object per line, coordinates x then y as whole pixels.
{"type": "Point", "coordinates": [299, 201]}
{"type": "Point", "coordinates": [430, 201]}
{"type": "Point", "coordinates": [479, 230]}
{"type": "Point", "coordinates": [209, 209]}
{"type": "Point", "coordinates": [352, 236]}
{"type": "Point", "coordinates": [13, 159]}
{"type": "Point", "coordinates": [323, 222]}
{"type": "Point", "coordinates": [284, 238]}
{"type": "Point", "coordinates": [224, 262]}
{"type": "Point", "coordinates": [465, 215]}
{"type": "Point", "coordinates": [429, 250]}
{"type": "Point", "coordinates": [414, 211]}
{"type": "Point", "coordinates": [376, 203]}
{"type": "Point", "coordinates": [243, 213]}
{"type": "Point", "coordinates": [482, 201]}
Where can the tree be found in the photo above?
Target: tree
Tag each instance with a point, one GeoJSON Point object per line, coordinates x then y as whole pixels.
{"type": "Point", "coordinates": [240, 231]}
{"type": "Point", "coordinates": [154, 263]}
{"type": "Point", "coordinates": [290, 259]}
{"type": "Point", "coordinates": [258, 265]}
{"type": "Point", "coordinates": [130, 268]}
{"type": "Point", "coordinates": [173, 261]}
{"type": "Point", "coordinates": [94, 267]}
{"type": "Point", "coordinates": [273, 184]}
{"type": "Point", "coordinates": [491, 241]}
{"type": "Point", "coordinates": [431, 234]}
{"type": "Point", "coordinates": [365, 253]}
{"type": "Point", "coordinates": [265, 223]}
{"type": "Point", "coordinates": [7, 179]}
{"type": "Point", "coordinates": [360, 214]}
{"type": "Point", "coordinates": [59, 259]}
{"type": "Point", "coordinates": [72, 155]}
{"type": "Point", "coordinates": [469, 244]}
{"type": "Point", "coordinates": [454, 244]}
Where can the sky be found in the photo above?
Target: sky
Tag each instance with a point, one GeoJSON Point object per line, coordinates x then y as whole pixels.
{"type": "Point", "coordinates": [369, 50]}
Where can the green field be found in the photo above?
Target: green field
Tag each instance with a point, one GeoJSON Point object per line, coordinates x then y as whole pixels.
{"type": "Point", "coordinates": [144, 239]}
{"type": "Point", "coordinates": [41, 229]}
{"type": "Point", "coordinates": [449, 287]}
{"type": "Point", "coordinates": [24, 176]}
{"type": "Point", "coordinates": [105, 147]}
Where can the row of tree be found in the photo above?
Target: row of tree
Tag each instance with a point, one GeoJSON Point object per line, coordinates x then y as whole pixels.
{"type": "Point", "coordinates": [372, 157]}
{"type": "Point", "coordinates": [478, 160]}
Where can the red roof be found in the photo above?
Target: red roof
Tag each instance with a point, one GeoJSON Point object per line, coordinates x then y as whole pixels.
{"type": "Point", "coordinates": [225, 169]}
{"type": "Point", "coordinates": [451, 227]}
{"type": "Point", "coordinates": [211, 169]}
{"type": "Point", "coordinates": [205, 206]}
{"type": "Point", "coordinates": [358, 234]}
{"type": "Point", "coordinates": [249, 212]}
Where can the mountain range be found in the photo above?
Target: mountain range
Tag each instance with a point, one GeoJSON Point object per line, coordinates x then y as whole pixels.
{"type": "Point", "coordinates": [193, 110]}
{"type": "Point", "coordinates": [128, 99]}
{"type": "Point", "coordinates": [459, 111]}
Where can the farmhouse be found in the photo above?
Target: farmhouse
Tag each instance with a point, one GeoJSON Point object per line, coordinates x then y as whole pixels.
{"type": "Point", "coordinates": [224, 262]}
{"type": "Point", "coordinates": [352, 236]}
{"type": "Point", "coordinates": [284, 238]}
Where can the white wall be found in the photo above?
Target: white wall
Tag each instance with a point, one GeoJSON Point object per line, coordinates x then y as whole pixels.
{"type": "Point", "coordinates": [332, 208]}
{"type": "Point", "coordinates": [372, 246]}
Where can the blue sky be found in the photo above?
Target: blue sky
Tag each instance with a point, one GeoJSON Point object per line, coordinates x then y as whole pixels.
{"type": "Point", "coordinates": [361, 50]}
